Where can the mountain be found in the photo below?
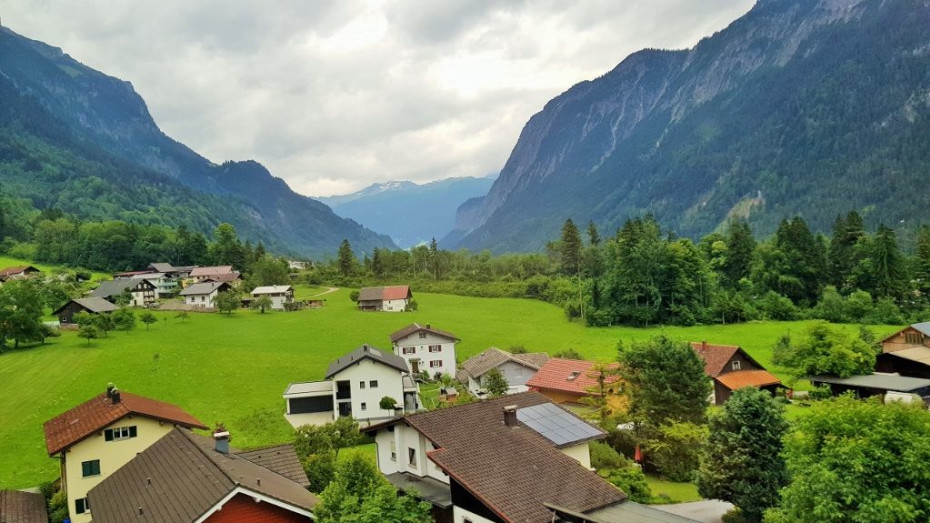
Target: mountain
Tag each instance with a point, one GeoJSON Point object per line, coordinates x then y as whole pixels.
{"type": "Point", "coordinates": [800, 107]}
{"type": "Point", "coordinates": [407, 212]}
{"type": "Point", "coordinates": [81, 141]}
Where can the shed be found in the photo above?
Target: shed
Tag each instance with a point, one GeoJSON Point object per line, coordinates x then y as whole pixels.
{"type": "Point", "coordinates": [91, 305]}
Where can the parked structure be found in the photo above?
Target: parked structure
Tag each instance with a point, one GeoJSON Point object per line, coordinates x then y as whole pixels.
{"type": "Point", "coordinates": [184, 477]}
{"type": "Point", "coordinates": [425, 349]}
{"type": "Point", "coordinates": [391, 299]}
{"type": "Point", "coordinates": [94, 439]}
{"type": "Point", "coordinates": [731, 368]}
{"type": "Point", "coordinates": [89, 305]}
{"type": "Point", "coordinates": [203, 295]}
{"type": "Point", "coordinates": [570, 381]}
{"type": "Point", "coordinates": [20, 272]}
{"type": "Point", "coordinates": [17, 506]}
{"type": "Point", "coordinates": [281, 295]}
{"type": "Point", "coordinates": [906, 352]}
{"type": "Point", "coordinates": [516, 368]}
{"type": "Point", "coordinates": [354, 386]}
{"type": "Point", "coordinates": [890, 387]}
{"type": "Point", "coordinates": [141, 291]}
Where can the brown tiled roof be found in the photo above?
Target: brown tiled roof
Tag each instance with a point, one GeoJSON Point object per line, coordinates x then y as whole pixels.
{"type": "Point", "coordinates": [574, 376]}
{"type": "Point", "coordinates": [416, 327]}
{"type": "Point", "coordinates": [228, 277]}
{"type": "Point", "coordinates": [370, 293]}
{"type": "Point", "coordinates": [22, 507]}
{"type": "Point", "coordinates": [281, 459]}
{"type": "Point", "coordinates": [12, 271]}
{"type": "Point", "coordinates": [99, 412]}
{"type": "Point", "coordinates": [512, 470]}
{"type": "Point", "coordinates": [180, 478]}
{"type": "Point", "coordinates": [715, 357]}
{"type": "Point", "coordinates": [747, 378]}
{"type": "Point", "coordinates": [211, 271]}
{"type": "Point", "coordinates": [478, 364]}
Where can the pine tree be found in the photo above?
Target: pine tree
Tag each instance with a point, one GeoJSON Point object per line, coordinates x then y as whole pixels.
{"type": "Point", "coordinates": [889, 275]}
{"type": "Point", "coordinates": [570, 248]}
{"type": "Point", "coordinates": [740, 248]}
{"type": "Point", "coordinates": [346, 259]}
{"type": "Point", "coordinates": [922, 261]}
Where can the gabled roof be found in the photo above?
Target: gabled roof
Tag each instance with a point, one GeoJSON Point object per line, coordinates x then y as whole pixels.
{"type": "Point", "coordinates": [478, 364]}
{"type": "Point", "coordinates": [397, 292]}
{"type": "Point", "coordinates": [162, 267]}
{"type": "Point", "coordinates": [93, 415]}
{"type": "Point", "coordinates": [923, 327]}
{"type": "Point", "coordinates": [211, 271]}
{"type": "Point", "coordinates": [278, 458]}
{"type": "Point", "coordinates": [716, 357]}
{"type": "Point", "coordinates": [181, 478]}
{"type": "Point", "coordinates": [747, 378]}
{"type": "Point", "coordinates": [564, 375]}
{"type": "Point", "coordinates": [225, 277]}
{"type": "Point", "coordinates": [22, 507]}
{"type": "Point", "coordinates": [19, 269]}
{"type": "Point", "coordinates": [112, 288]}
{"type": "Point", "coordinates": [203, 288]}
{"type": "Point", "coordinates": [918, 354]}
{"type": "Point", "coordinates": [367, 352]}
{"type": "Point", "coordinates": [877, 381]}
{"type": "Point", "coordinates": [370, 293]}
{"type": "Point", "coordinates": [416, 327]}
{"type": "Point", "coordinates": [272, 289]}
{"type": "Point", "coordinates": [91, 304]}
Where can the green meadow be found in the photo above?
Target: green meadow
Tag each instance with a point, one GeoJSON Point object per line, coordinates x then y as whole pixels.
{"type": "Point", "coordinates": [234, 368]}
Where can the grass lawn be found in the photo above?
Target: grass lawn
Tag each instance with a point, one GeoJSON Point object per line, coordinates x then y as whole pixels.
{"type": "Point", "coordinates": [234, 368]}
{"type": "Point", "coordinates": [671, 492]}
{"type": "Point", "coordinates": [6, 262]}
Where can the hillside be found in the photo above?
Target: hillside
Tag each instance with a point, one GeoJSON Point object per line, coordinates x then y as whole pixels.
{"type": "Point", "coordinates": [408, 212]}
{"type": "Point", "coordinates": [78, 140]}
{"type": "Point", "coordinates": [800, 107]}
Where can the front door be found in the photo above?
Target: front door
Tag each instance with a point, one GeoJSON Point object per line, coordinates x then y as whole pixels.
{"type": "Point", "coordinates": [345, 409]}
{"type": "Point", "coordinates": [415, 366]}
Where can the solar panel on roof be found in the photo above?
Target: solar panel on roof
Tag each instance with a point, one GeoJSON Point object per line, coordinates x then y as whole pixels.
{"type": "Point", "coordinates": [556, 425]}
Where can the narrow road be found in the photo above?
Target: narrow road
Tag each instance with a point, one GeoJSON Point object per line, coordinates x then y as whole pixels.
{"type": "Point", "coordinates": [327, 291]}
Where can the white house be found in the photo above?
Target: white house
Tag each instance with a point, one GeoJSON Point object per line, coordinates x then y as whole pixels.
{"type": "Point", "coordinates": [141, 291]}
{"type": "Point", "coordinates": [426, 349]}
{"type": "Point", "coordinates": [354, 386]}
{"type": "Point", "coordinates": [280, 295]}
{"type": "Point", "coordinates": [389, 299]}
{"type": "Point", "coordinates": [203, 295]}
{"type": "Point", "coordinates": [517, 369]}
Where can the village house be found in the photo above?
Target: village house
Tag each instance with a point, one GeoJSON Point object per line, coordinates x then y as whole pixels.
{"type": "Point", "coordinates": [906, 352]}
{"type": "Point", "coordinates": [94, 439]}
{"type": "Point", "coordinates": [571, 381]}
{"type": "Point", "coordinates": [890, 387]}
{"type": "Point", "coordinates": [731, 368]}
{"type": "Point", "coordinates": [89, 305]}
{"type": "Point", "coordinates": [184, 477]}
{"type": "Point", "coordinates": [20, 272]}
{"type": "Point", "coordinates": [426, 349]}
{"type": "Point", "coordinates": [281, 295]}
{"type": "Point", "coordinates": [221, 273]}
{"type": "Point", "coordinates": [17, 506]}
{"type": "Point", "coordinates": [391, 299]}
{"type": "Point", "coordinates": [297, 265]}
{"type": "Point", "coordinates": [500, 460]}
{"type": "Point", "coordinates": [354, 386]}
{"type": "Point", "coordinates": [517, 369]}
{"type": "Point", "coordinates": [141, 291]}
{"type": "Point", "coordinates": [203, 295]}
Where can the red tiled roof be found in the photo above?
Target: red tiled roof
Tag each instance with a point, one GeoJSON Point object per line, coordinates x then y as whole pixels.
{"type": "Point", "coordinates": [715, 357]}
{"type": "Point", "coordinates": [10, 271]}
{"type": "Point", "coordinates": [747, 378]}
{"type": "Point", "coordinates": [97, 413]}
{"type": "Point", "coordinates": [397, 292]}
{"type": "Point", "coordinates": [557, 374]}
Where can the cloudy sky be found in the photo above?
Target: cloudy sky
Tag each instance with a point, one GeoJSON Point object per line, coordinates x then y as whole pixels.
{"type": "Point", "coordinates": [335, 95]}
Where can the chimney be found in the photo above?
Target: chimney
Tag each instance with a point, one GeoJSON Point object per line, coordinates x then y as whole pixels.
{"type": "Point", "coordinates": [510, 415]}
{"type": "Point", "coordinates": [114, 395]}
{"type": "Point", "coordinates": [221, 439]}
{"type": "Point", "coordinates": [110, 387]}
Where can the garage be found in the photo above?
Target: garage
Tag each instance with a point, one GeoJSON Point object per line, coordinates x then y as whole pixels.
{"type": "Point", "coordinates": [310, 405]}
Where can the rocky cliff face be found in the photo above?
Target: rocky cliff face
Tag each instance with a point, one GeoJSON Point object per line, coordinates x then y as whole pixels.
{"type": "Point", "coordinates": [689, 135]}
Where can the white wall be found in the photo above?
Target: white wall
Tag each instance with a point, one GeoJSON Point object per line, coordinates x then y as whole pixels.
{"type": "Point", "coordinates": [206, 302]}
{"type": "Point", "coordinates": [390, 383]}
{"type": "Point", "coordinates": [579, 452]}
{"type": "Point", "coordinates": [402, 439]}
{"type": "Point", "coordinates": [446, 355]}
{"type": "Point", "coordinates": [394, 305]}
{"type": "Point", "coordinates": [516, 374]}
{"type": "Point", "coordinates": [459, 514]}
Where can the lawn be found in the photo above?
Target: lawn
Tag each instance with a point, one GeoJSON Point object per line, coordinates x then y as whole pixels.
{"type": "Point", "coordinates": [234, 368]}
{"type": "Point", "coordinates": [6, 262]}
{"type": "Point", "coordinates": [671, 492]}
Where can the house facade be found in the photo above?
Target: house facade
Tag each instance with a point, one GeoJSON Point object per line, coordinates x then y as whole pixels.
{"type": "Point", "coordinates": [93, 440]}
{"type": "Point", "coordinates": [20, 272]}
{"type": "Point", "coordinates": [426, 349]}
{"type": "Point", "coordinates": [571, 381]}
{"type": "Point", "coordinates": [203, 295]}
{"type": "Point", "coordinates": [389, 299]}
{"type": "Point", "coordinates": [280, 295]}
{"type": "Point", "coordinates": [141, 291]}
{"type": "Point", "coordinates": [224, 272]}
{"type": "Point", "coordinates": [731, 368]}
{"type": "Point", "coordinates": [906, 352]}
{"type": "Point", "coordinates": [517, 369]}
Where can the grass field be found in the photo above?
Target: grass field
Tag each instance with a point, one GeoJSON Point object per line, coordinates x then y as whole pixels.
{"type": "Point", "coordinates": [234, 368]}
{"type": "Point", "coordinates": [15, 262]}
{"type": "Point", "coordinates": [671, 492]}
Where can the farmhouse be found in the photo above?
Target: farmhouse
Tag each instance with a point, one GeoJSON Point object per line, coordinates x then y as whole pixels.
{"type": "Point", "coordinates": [203, 295]}
{"type": "Point", "coordinates": [184, 477]}
{"type": "Point", "coordinates": [499, 460]}
{"type": "Point", "coordinates": [22, 507]}
{"type": "Point", "coordinates": [354, 385]}
{"type": "Point", "coordinates": [731, 368]}
{"type": "Point", "coordinates": [392, 299]}
{"type": "Point", "coordinates": [425, 349]}
{"type": "Point", "coordinates": [570, 381]}
{"type": "Point", "coordinates": [141, 291]}
{"type": "Point", "coordinates": [18, 273]}
{"type": "Point", "coordinates": [90, 305]}
{"type": "Point", "coordinates": [906, 352]}
{"type": "Point", "coordinates": [94, 439]}
{"type": "Point", "coordinates": [516, 368]}
{"type": "Point", "coordinates": [217, 273]}
{"type": "Point", "coordinates": [280, 295]}
{"type": "Point", "coordinates": [889, 386]}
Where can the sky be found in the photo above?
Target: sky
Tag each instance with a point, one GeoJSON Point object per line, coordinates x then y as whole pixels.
{"type": "Point", "coordinates": [334, 95]}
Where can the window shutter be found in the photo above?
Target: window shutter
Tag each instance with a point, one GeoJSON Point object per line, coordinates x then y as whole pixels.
{"type": "Point", "coordinates": [132, 431]}
{"type": "Point", "coordinates": [108, 435]}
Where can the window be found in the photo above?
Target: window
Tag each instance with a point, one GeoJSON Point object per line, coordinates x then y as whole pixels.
{"type": "Point", "coordinates": [914, 338]}
{"type": "Point", "coordinates": [373, 384]}
{"type": "Point", "coordinates": [422, 335]}
{"type": "Point", "coordinates": [119, 433]}
{"type": "Point", "coordinates": [81, 505]}
{"type": "Point", "coordinates": [91, 468]}
{"type": "Point", "coordinates": [361, 384]}
{"type": "Point", "coordinates": [412, 457]}
{"type": "Point", "coordinates": [435, 363]}
{"type": "Point", "coordinates": [393, 451]}
{"type": "Point", "coordinates": [364, 406]}
{"type": "Point", "coordinates": [435, 348]}
{"type": "Point", "coordinates": [410, 350]}
{"type": "Point", "coordinates": [735, 365]}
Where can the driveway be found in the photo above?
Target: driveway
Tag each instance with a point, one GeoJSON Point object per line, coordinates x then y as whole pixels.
{"type": "Point", "coordinates": [706, 511]}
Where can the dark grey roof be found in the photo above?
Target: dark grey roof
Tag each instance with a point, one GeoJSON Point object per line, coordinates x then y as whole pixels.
{"type": "Point", "coordinates": [22, 507]}
{"type": "Point", "coordinates": [427, 488]}
{"type": "Point", "coordinates": [877, 382]}
{"type": "Point", "coordinates": [923, 327]}
{"type": "Point", "coordinates": [624, 512]}
{"type": "Point", "coordinates": [370, 293]}
{"type": "Point", "coordinates": [92, 304]}
{"type": "Point", "coordinates": [367, 352]}
{"type": "Point", "coordinates": [203, 288]}
{"type": "Point", "coordinates": [557, 425]}
{"type": "Point", "coordinates": [180, 478]}
{"type": "Point", "coordinates": [478, 364]}
{"type": "Point", "coordinates": [112, 288]}
{"type": "Point", "coordinates": [416, 327]}
{"type": "Point", "coordinates": [162, 267]}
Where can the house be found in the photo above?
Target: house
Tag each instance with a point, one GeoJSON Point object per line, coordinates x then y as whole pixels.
{"type": "Point", "coordinates": [232, 278]}
{"type": "Point", "coordinates": [203, 295]}
{"type": "Point", "coordinates": [499, 460]}
{"type": "Point", "coordinates": [570, 381]}
{"type": "Point", "coordinates": [516, 368]}
{"type": "Point", "coordinates": [89, 305]}
{"type": "Point", "coordinates": [354, 386]}
{"type": "Point", "coordinates": [298, 265]}
{"type": "Point", "coordinates": [184, 477]}
{"type": "Point", "coordinates": [18, 273]}
{"type": "Point", "coordinates": [391, 299]}
{"type": "Point", "coordinates": [128, 275]}
{"type": "Point", "coordinates": [426, 349]}
{"type": "Point", "coordinates": [17, 506]}
{"type": "Point", "coordinates": [199, 274]}
{"type": "Point", "coordinates": [281, 295]}
{"type": "Point", "coordinates": [731, 368]}
{"type": "Point", "coordinates": [141, 291]}
{"type": "Point", "coordinates": [906, 352]}
{"type": "Point", "coordinates": [889, 386]}
{"type": "Point", "coordinates": [94, 439]}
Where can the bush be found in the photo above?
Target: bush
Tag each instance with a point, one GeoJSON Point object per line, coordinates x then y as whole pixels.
{"type": "Point", "coordinates": [412, 306]}
{"type": "Point", "coordinates": [353, 296]}
{"type": "Point", "coordinates": [820, 392]}
{"type": "Point", "coordinates": [603, 456]}
{"type": "Point", "coordinates": [774, 306]}
{"type": "Point", "coordinates": [320, 469]}
{"type": "Point", "coordinates": [387, 403]}
{"type": "Point", "coordinates": [674, 451]}
{"type": "Point", "coordinates": [632, 481]}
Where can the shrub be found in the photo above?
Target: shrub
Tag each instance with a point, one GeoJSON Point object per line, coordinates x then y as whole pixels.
{"type": "Point", "coordinates": [674, 451]}
{"type": "Point", "coordinates": [387, 403]}
{"type": "Point", "coordinates": [320, 469]}
{"type": "Point", "coordinates": [353, 296]}
{"type": "Point", "coordinates": [603, 456]}
{"type": "Point", "coordinates": [632, 481]}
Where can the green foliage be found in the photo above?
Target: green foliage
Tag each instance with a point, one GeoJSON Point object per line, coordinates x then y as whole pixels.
{"type": "Point", "coordinates": [21, 313]}
{"type": "Point", "coordinates": [320, 469]}
{"type": "Point", "coordinates": [569, 354]}
{"type": "Point", "coordinates": [412, 305]}
{"type": "Point", "coordinates": [387, 403]}
{"type": "Point", "coordinates": [824, 350]}
{"type": "Point", "coordinates": [631, 480]}
{"type": "Point", "coordinates": [227, 301]}
{"type": "Point", "coordinates": [495, 382]}
{"type": "Point", "coordinates": [58, 507]}
{"type": "Point", "coordinates": [673, 449]}
{"type": "Point", "coordinates": [147, 318]}
{"type": "Point", "coordinates": [354, 296]}
{"type": "Point", "coordinates": [603, 456]}
{"type": "Point", "coordinates": [741, 461]}
{"type": "Point", "coordinates": [570, 248]}
{"type": "Point", "coordinates": [261, 303]}
{"type": "Point", "coordinates": [857, 461]}
{"type": "Point", "coordinates": [346, 259]}
{"type": "Point", "coordinates": [88, 332]}
{"type": "Point", "coordinates": [124, 319]}
{"type": "Point", "coordinates": [315, 439]}
{"type": "Point", "coordinates": [182, 315]}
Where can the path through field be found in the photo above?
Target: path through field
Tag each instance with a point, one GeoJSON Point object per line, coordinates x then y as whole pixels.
{"type": "Point", "coordinates": [327, 291]}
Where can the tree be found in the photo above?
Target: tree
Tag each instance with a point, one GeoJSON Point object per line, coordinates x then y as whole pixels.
{"type": "Point", "coordinates": [741, 461]}
{"type": "Point", "coordinates": [353, 295]}
{"type": "Point", "coordinates": [261, 303]}
{"type": "Point", "coordinates": [827, 351]}
{"type": "Point", "coordinates": [320, 469]}
{"type": "Point", "coordinates": [888, 274]}
{"type": "Point", "coordinates": [922, 262]}
{"type": "Point", "coordinates": [570, 248]}
{"type": "Point", "coordinates": [387, 403]}
{"type": "Point", "coordinates": [266, 270]}
{"type": "Point", "coordinates": [495, 382]}
{"type": "Point", "coordinates": [359, 494]}
{"type": "Point", "coordinates": [859, 461]}
{"type": "Point", "coordinates": [88, 332]}
{"type": "Point", "coordinates": [740, 247]}
{"type": "Point", "coordinates": [593, 237]}
{"type": "Point", "coordinates": [227, 301]}
{"type": "Point", "coordinates": [182, 315]}
{"type": "Point", "coordinates": [21, 312]}
{"type": "Point", "coordinates": [346, 259]}
{"type": "Point", "coordinates": [124, 319]}
{"type": "Point", "coordinates": [148, 319]}
{"type": "Point", "coordinates": [104, 323]}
